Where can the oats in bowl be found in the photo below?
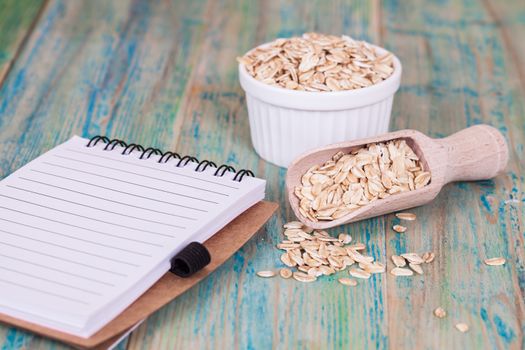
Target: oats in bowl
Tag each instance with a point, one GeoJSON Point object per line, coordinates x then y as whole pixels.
{"type": "Point", "coordinates": [317, 62]}
{"type": "Point", "coordinates": [315, 90]}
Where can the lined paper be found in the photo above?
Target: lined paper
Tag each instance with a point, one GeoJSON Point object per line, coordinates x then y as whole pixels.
{"type": "Point", "coordinates": [80, 228]}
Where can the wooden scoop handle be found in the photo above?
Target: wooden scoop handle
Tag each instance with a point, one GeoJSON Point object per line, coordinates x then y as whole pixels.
{"type": "Point", "coordinates": [476, 153]}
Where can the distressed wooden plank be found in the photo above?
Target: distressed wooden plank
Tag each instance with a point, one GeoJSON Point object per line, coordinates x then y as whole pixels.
{"type": "Point", "coordinates": [16, 19]}
{"type": "Point", "coordinates": [90, 67]}
{"type": "Point", "coordinates": [115, 68]}
{"type": "Point", "coordinates": [509, 16]}
{"type": "Point", "coordinates": [233, 308]}
{"type": "Point", "coordinates": [164, 74]}
{"type": "Point", "coordinates": [458, 72]}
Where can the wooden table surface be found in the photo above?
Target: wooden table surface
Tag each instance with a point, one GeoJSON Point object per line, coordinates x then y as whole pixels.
{"type": "Point", "coordinates": [163, 73]}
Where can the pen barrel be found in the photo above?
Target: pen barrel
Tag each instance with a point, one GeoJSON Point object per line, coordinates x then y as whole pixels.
{"type": "Point", "coordinates": [476, 153]}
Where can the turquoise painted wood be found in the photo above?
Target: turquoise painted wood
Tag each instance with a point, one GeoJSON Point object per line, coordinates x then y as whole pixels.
{"type": "Point", "coordinates": [163, 73]}
{"type": "Point", "coordinates": [16, 20]}
{"type": "Point", "coordinates": [463, 72]}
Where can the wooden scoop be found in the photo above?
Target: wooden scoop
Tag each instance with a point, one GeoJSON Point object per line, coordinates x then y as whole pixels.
{"type": "Point", "coordinates": [476, 153]}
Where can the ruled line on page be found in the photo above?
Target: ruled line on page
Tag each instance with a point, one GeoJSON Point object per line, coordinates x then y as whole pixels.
{"type": "Point", "coordinates": [43, 291]}
{"type": "Point", "coordinates": [150, 167]}
{"type": "Point", "coordinates": [92, 207]}
{"type": "Point", "coordinates": [111, 189]}
{"type": "Point", "coordinates": [64, 259]}
{"type": "Point", "coordinates": [111, 200]}
{"type": "Point", "coordinates": [77, 238]}
{"type": "Point", "coordinates": [57, 270]}
{"type": "Point", "coordinates": [76, 226]}
{"type": "Point", "coordinates": [50, 281]}
{"type": "Point", "coordinates": [71, 249]}
{"type": "Point", "coordinates": [131, 183]}
{"type": "Point", "coordinates": [142, 175]}
{"type": "Point", "coordinates": [85, 217]}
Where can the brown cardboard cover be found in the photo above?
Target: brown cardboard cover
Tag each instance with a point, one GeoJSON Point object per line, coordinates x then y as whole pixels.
{"type": "Point", "coordinates": [221, 246]}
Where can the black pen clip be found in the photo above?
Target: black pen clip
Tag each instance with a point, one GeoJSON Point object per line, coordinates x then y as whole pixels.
{"type": "Point", "coordinates": [190, 260]}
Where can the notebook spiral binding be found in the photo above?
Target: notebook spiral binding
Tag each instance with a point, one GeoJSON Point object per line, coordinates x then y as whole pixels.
{"type": "Point", "coordinates": [111, 144]}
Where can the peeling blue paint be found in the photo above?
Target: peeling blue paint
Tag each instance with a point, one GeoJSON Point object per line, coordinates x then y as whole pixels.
{"type": "Point", "coordinates": [503, 330]}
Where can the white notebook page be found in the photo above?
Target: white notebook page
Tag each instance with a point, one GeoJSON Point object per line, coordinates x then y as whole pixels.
{"type": "Point", "coordinates": [80, 228]}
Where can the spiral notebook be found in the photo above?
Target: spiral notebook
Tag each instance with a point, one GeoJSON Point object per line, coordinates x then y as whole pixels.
{"type": "Point", "coordinates": [89, 226]}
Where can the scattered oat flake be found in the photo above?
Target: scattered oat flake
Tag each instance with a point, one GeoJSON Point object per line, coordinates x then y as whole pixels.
{"type": "Point", "coordinates": [303, 277]}
{"type": "Point", "coordinates": [344, 238]}
{"type": "Point", "coordinates": [266, 274]}
{"type": "Point", "coordinates": [348, 281]}
{"type": "Point", "coordinates": [399, 228]}
{"type": "Point", "coordinates": [413, 258]}
{"type": "Point", "coordinates": [359, 273]}
{"type": "Point", "coordinates": [285, 273]}
{"type": "Point", "coordinates": [374, 267]}
{"type": "Point", "coordinates": [358, 246]}
{"type": "Point", "coordinates": [287, 260]}
{"type": "Point", "coordinates": [439, 312]}
{"type": "Point", "coordinates": [401, 271]}
{"type": "Point", "coordinates": [462, 327]}
{"type": "Point", "coordinates": [314, 271]}
{"type": "Point", "coordinates": [406, 216]}
{"type": "Point", "coordinates": [398, 261]}
{"type": "Point", "coordinates": [428, 257]}
{"type": "Point", "coordinates": [495, 261]}
{"type": "Point", "coordinates": [293, 225]}
{"type": "Point", "coordinates": [326, 270]}
{"type": "Point", "coordinates": [417, 268]}
{"type": "Point", "coordinates": [307, 229]}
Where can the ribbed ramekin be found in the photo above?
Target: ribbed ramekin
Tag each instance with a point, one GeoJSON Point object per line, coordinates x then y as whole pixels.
{"type": "Point", "coordinates": [285, 123]}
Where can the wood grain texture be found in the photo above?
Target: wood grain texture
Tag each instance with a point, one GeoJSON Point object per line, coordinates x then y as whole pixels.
{"type": "Point", "coordinates": [458, 72]}
{"type": "Point", "coordinates": [16, 20]}
{"type": "Point", "coordinates": [163, 73]}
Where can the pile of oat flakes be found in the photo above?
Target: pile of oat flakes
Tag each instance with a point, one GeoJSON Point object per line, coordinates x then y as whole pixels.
{"type": "Point", "coordinates": [318, 63]}
{"type": "Point", "coordinates": [314, 253]}
{"type": "Point", "coordinates": [349, 181]}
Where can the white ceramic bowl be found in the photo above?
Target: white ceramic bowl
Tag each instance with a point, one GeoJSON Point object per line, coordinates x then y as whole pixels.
{"type": "Point", "coordinates": [285, 123]}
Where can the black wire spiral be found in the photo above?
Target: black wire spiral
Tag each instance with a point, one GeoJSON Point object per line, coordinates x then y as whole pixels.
{"type": "Point", "coordinates": [111, 144]}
